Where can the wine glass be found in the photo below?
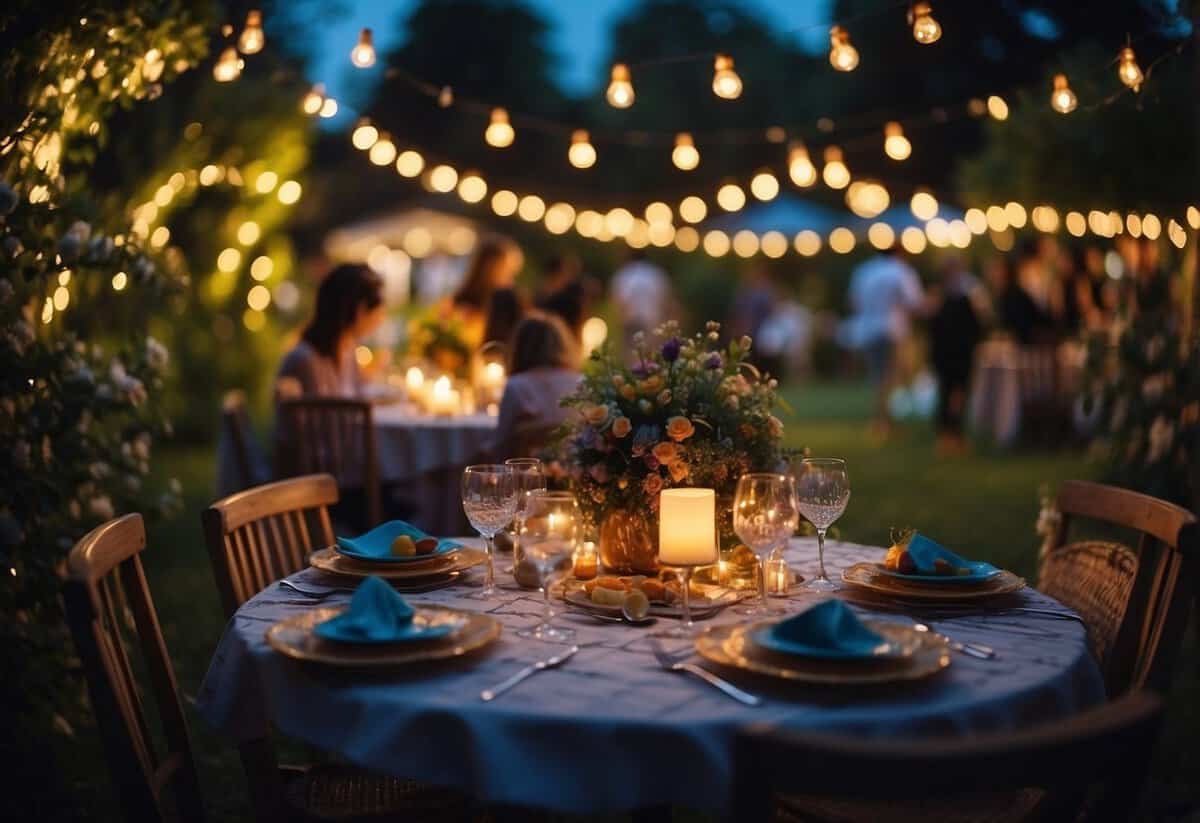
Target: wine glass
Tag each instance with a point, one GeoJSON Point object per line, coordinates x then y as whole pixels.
{"type": "Point", "coordinates": [764, 515]}
{"type": "Point", "coordinates": [529, 477]}
{"type": "Point", "coordinates": [489, 497]}
{"type": "Point", "coordinates": [822, 492]}
{"type": "Point", "coordinates": [548, 539]}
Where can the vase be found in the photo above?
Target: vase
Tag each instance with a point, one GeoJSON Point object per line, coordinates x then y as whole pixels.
{"type": "Point", "coordinates": [629, 542]}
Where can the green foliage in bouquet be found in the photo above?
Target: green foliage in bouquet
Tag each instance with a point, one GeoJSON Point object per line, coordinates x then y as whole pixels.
{"type": "Point", "coordinates": [687, 412]}
{"type": "Point", "coordinates": [441, 340]}
{"type": "Point", "coordinates": [1145, 393]}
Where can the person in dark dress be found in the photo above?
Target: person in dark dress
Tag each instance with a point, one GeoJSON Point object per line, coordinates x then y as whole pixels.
{"type": "Point", "coordinates": [1018, 314]}
{"type": "Point", "coordinates": [954, 330]}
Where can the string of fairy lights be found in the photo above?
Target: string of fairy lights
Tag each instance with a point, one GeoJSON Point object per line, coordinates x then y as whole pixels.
{"type": "Point", "coordinates": [662, 224]}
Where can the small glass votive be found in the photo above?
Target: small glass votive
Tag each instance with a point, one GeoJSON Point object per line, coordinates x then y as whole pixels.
{"type": "Point", "coordinates": [586, 561]}
{"type": "Point", "coordinates": [778, 576]}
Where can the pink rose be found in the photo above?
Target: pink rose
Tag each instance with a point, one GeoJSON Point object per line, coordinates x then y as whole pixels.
{"type": "Point", "coordinates": [679, 471]}
{"type": "Point", "coordinates": [622, 426]}
{"type": "Point", "coordinates": [680, 429]}
{"type": "Point", "coordinates": [653, 484]}
{"type": "Point", "coordinates": [666, 452]}
{"type": "Point", "coordinates": [664, 397]}
{"type": "Point", "coordinates": [774, 426]}
{"type": "Point", "coordinates": [628, 392]}
{"type": "Point", "coordinates": [596, 414]}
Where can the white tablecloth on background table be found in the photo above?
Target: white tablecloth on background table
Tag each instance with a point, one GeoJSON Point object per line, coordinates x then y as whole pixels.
{"type": "Point", "coordinates": [610, 730]}
{"type": "Point", "coordinates": [425, 456]}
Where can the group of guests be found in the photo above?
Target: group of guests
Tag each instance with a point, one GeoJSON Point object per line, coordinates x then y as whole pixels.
{"type": "Point", "coordinates": [541, 338]}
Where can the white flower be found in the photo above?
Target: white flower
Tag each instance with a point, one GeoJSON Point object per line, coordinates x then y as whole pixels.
{"type": "Point", "coordinates": [101, 506]}
{"type": "Point", "coordinates": [141, 446]}
{"type": "Point", "coordinates": [156, 354]}
{"type": "Point", "coordinates": [1161, 436]}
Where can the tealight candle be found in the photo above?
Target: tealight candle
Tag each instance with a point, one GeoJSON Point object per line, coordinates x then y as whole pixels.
{"type": "Point", "coordinates": [441, 401]}
{"type": "Point", "coordinates": [687, 537]}
{"type": "Point", "coordinates": [778, 575]}
{"type": "Point", "coordinates": [586, 561]}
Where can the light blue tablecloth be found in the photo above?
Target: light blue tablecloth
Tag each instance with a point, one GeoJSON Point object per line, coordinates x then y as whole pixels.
{"type": "Point", "coordinates": [610, 730]}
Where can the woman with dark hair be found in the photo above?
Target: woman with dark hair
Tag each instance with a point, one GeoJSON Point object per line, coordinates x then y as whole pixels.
{"type": "Point", "coordinates": [349, 307]}
{"type": "Point", "coordinates": [493, 268]}
{"type": "Point", "coordinates": [543, 368]}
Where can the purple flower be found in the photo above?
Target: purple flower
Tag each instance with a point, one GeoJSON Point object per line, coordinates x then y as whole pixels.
{"type": "Point", "coordinates": [714, 361]}
{"type": "Point", "coordinates": [644, 369]}
{"type": "Point", "coordinates": [644, 438]}
{"type": "Point", "coordinates": [670, 349]}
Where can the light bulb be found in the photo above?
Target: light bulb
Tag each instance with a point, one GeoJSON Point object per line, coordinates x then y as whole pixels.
{"type": "Point", "coordinates": [228, 66]}
{"type": "Point", "coordinates": [924, 205]}
{"type": "Point", "coordinates": [313, 100]}
{"type": "Point", "coordinates": [895, 144]}
{"type": "Point", "coordinates": [835, 174]}
{"type": "Point", "coordinates": [997, 108]}
{"type": "Point", "coordinates": [363, 53]}
{"type": "Point", "coordinates": [383, 152]}
{"type": "Point", "coordinates": [499, 132]}
{"type": "Point", "coordinates": [581, 154]}
{"type": "Point", "coordinates": [446, 97]}
{"type": "Point", "coordinates": [726, 83]}
{"type": "Point", "coordinates": [800, 166]}
{"type": "Point", "coordinates": [329, 108]}
{"type": "Point", "coordinates": [842, 55]}
{"type": "Point", "coordinates": [685, 155]}
{"type": "Point", "coordinates": [925, 29]}
{"type": "Point", "coordinates": [731, 197]}
{"type": "Point", "coordinates": [1062, 99]}
{"type": "Point", "coordinates": [364, 136]}
{"type": "Point", "coordinates": [764, 185]}
{"type": "Point", "coordinates": [1128, 69]}
{"type": "Point", "coordinates": [252, 38]}
{"type": "Point", "coordinates": [620, 88]}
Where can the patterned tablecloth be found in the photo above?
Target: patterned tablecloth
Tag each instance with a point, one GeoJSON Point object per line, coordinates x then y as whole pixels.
{"type": "Point", "coordinates": [610, 730]}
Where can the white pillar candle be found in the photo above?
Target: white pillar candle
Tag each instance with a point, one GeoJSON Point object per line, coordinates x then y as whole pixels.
{"type": "Point", "coordinates": [687, 531]}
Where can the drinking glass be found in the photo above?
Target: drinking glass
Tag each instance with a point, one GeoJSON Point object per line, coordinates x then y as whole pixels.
{"type": "Point", "coordinates": [549, 537]}
{"type": "Point", "coordinates": [822, 492]}
{"type": "Point", "coordinates": [764, 515]}
{"type": "Point", "coordinates": [529, 477]}
{"type": "Point", "coordinates": [489, 497]}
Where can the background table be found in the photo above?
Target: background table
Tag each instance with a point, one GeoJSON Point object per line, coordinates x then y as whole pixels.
{"type": "Point", "coordinates": [610, 730]}
{"type": "Point", "coordinates": [424, 457]}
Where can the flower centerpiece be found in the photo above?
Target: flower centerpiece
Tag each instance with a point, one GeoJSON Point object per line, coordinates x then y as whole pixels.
{"type": "Point", "coordinates": [685, 412]}
{"type": "Point", "coordinates": [441, 339]}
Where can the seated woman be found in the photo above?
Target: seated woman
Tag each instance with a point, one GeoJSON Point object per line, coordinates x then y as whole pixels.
{"type": "Point", "coordinates": [349, 307]}
{"type": "Point", "coordinates": [493, 269]}
{"type": "Point", "coordinates": [543, 368]}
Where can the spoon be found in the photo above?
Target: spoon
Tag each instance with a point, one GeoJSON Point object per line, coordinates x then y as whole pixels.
{"type": "Point", "coordinates": [612, 618]}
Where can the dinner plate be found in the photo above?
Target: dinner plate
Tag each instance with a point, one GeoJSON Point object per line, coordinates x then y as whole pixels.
{"type": "Point", "coordinates": [870, 577]}
{"type": "Point", "coordinates": [981, 571]}
{"type": "Point", "coordinates": [375, 545]}
{"type": "Point", "coordinates": [425, 625]}
{"type": "Point", "coordinates": [765, 639]}
{"type": "Point", "coordinates": [295, 638]}
{"type": "Point", "coordinates": [701, 608]}
{"type": "Point", "coordinates": [332, 561]}
{"type": "Point", "coordinates": [734, 647]}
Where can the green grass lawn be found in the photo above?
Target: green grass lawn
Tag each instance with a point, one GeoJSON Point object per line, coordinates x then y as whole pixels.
{"type": "Point", "coordinates": [984, 503]}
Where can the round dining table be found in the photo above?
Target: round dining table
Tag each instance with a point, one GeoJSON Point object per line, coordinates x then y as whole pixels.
{"type": "Point", "coordinates": [610, 729]}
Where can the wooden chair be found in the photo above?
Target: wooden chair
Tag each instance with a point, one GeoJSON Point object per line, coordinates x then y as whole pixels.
{"type": "Point", "coordinates": [244, 455]}
{"type": "Point", "coordinates": [336, 436]}
{"type": "Point", "coordinates": [106, 595]}
{"type": "Point", "coordinates": [1135, 603]}
{"type": "Point", "coordinates": [852, 778]}
{"type": "Point", "coordinates": [261, 535]}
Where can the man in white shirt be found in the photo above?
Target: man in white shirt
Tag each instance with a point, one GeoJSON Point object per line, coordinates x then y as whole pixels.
{"type": "Point", "coordinates": [884, 294]}
{"type": "Point", "coordinates": [641, 293]}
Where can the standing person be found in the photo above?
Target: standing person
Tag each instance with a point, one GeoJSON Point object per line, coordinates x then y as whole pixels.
{"type": "Point", "coordinates": [753, 302]}
{"type": "Point", "coordinates": [494, 267]}
{"type": "Point", "coordinates": [641, 293]}
{"type": "Point", "coordinates": [954, 330]}
{"type": "Point", "coordinates": [884, 294]}
{"type": "Point", "coordinates": [564, 292]}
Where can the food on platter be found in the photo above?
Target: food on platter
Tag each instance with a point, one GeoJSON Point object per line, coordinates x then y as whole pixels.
{"type": "Point", "coordinates": [403, 546]}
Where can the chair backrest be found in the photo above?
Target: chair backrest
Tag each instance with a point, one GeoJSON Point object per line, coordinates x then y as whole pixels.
{"type": "Point", "coordinates": [1150, 623]}
{"type": "Point", "coordinates": [243, 450]}
{"type": "Point", "coordinates": [260, 535]}
{"type": "Point", "coordinates": [332, 435]}
{"type": "Point", "coordinates": [529, 439]}
{"type": "Point", "coordinates": [1107, 747]}
{"type": "Point", "coordinates": [106, 595]}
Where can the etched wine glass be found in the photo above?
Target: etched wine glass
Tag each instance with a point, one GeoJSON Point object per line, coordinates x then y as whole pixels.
{"type": "Point", "coordinates": [764, 515]}
{"type": "Point", "coordinates": [549, 537]}
{"type": "Point", "coordinates": [822, 492]}
{"type": "Point", "coordinates": [489, 498]}
{"type": "Point", "coordinates": [530, 477]}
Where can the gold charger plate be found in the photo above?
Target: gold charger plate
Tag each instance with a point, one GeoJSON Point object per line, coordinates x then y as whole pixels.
{"type": "Point", "coordinates": [701, 609]}
{"type": "Point", "coordinates": [867, 576]}
{"type": "Point", "coordinates": [329, 560]}
{"type": "Point", "coordinates": [732, 646]}
{"type": "Point", "coordinates": [294, 638]}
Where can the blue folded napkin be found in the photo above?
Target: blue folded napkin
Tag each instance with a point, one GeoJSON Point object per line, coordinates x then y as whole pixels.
{"type": "Point", "coordinates": [376, 545]}
{"type": "Point", "coordinates": [925, 551]}
{"type": "Point", "coordinates": [378, 614]}
{"type": "Point", "coordinates": [827, 630]}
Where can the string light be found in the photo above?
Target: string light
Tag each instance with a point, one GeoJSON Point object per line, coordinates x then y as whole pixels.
{"type": "Point", "coordinates": [997, 218]}
{"type": "Point", "coordinates": [997, 108]}
{"type": "Point", "coordinates": [618, 222]}
{"type": "Point", "coordinates": [1076, 224]}
{"type": "Point", "coordinates": [976, 221]}
{"type": "Point", "coordinates": [443, 178]}
{"type": "Point", "coordinates": [1151, 227]}
{"type": "Point", "coordinates": [774, 244]}
{"type": "Point", "coordinates": [842, 55]}
{"type": "Point", "coordinates": [266, 182]}
{"type": "Point", "coordinates": [912, 240]}
{"type": "Point", "coordinates": [504, 203]}
{"type": "Point", "coordinates": [1133, 224]}
{"type": "Point", "coordinates": [364, 136]}
{"type": "Point", "coordinates": [329, 108]}
{"type": "Point", "coordinates": [252, 38]}
{"type": "Point", "coordinates": [471, 187]}
{"type": "Point", "coordinates": [881, 236]}
{"type": "Point", "coordinates": [745, 243]}
{"type": "Point", "coordinates": [248, 233]}
{"type": "Point", "coordinates": [693, 209]}
{"type": "Point", "coordinates": [559, 218]}
{"type": "Point", "coordinates": [119, 281]}
{"type": "Point", "coordinates": [620, 87]}
{"type": "Point", "coordinates": [531, 208]}
{"type": "Point", "coordinates": [581, 154]}
{"type": "Point", "coordinates": [1015, 213]}
{"type": "Point", "coordinates": [764, 185]}
{"type": "Point", "coordinates": [1193, 217]}
{"type": "Point", "coordinates": [1062, 99]}
{"type": "Point", "coordinates": [262, 268]}
{"type": "Point", "coordinates": [687, 239]}
{"type": "Point", "coordinates": [1128, 69]}
{"type": "Point", "coordinates": [807, 243]}
{"type": "Point", "coordinates": [835, 174]}
{"type": "Point", "coordinates": [726, 83]}
{"type": "Point", "coordinates": [716, 243]}
{"type": "Point", "coordinates": [383, 152]}
{"type": "Point", "coordinates": [800, 166]}
{"type": "Point", "coordinates": [363, 53]}
{"type": "Point", "coordinates": [658, 212]}
{"type": "Point", "coordinates": [924, 205]}
{"type": "Point", "coordinates": [409, 163]}
{"type": "Point", "coordinates": [685, 155]}
{"type": "Point", "coordinates": [867, 199]}
{"type": "Point", "coordinates": [228, 66]}
{"type": "Point", "coordinates": [313, 100]}
{"type": "Point", "coordinates": [499, 132]}
{"type": "Point", "coordinates": [925, 29]}
{"type": "Point", "coordinates": [841, 240]}
{"type": "Point", "coordinates": [731, 197]}
{"type": "Point", "coordinates": [895, 144]}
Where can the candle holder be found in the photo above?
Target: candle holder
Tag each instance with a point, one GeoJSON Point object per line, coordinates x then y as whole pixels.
{"type": "Point", "coordinates": [778, 577]}
{"type": "Point", "coordinates": [586, 561]}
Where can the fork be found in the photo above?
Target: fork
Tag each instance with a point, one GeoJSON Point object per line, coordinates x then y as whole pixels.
{"type": "Point", "coordinates": [315, 594]}
{"type": "Point", "coordinates": [676, 664]}
{"type": "Point", "coordinates": [977, 650]}
{"type": "Point", "coordinates": [500, 688]}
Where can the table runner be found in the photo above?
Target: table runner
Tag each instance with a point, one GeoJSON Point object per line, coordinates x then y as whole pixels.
{"type": "Point", "coordinates": [610, 730]}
